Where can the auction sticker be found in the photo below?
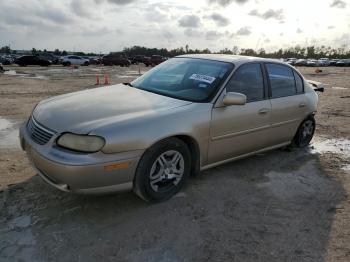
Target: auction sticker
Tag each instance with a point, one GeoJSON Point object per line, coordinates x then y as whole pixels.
{"type": "Point", "coordinates": [203, 78]}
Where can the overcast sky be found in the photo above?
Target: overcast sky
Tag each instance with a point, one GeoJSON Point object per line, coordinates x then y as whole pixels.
{"type": "Point", "coordinates": [110, 25]}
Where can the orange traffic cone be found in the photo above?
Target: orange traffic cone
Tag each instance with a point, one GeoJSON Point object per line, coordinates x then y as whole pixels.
{"type": "Point", "coordinates": [97, 80]}
{"type": "Point", "coordinates": [106, 79]}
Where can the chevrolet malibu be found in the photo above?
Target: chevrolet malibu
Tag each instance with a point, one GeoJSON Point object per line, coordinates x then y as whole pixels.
{"type": "Point", "coordinates": [188, 114]}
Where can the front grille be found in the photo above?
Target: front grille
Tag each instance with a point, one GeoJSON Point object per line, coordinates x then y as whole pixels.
{"type": "Point", "coordinates": [38, 133]}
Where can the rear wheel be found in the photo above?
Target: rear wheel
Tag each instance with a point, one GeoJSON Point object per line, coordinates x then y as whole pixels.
{"type": "Point", "coordinates": [305, 132]}
{"type": "Point", "coordinates": [162, 170]}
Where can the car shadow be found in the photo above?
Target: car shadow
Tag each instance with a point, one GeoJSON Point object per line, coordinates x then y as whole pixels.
{"type": "Point", "coordinates": [277, 206]}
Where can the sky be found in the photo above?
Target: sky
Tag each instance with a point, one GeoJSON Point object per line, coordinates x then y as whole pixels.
{"type": "Point", "coordinates": [110, 25]}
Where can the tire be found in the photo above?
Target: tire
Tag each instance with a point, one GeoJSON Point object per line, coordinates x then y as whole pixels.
{"type": "Point", "coordinates": [305, 133]}
{"type": "Point", "coordinates": [66, 63]}
{"type": "Point", "coordinates": [152, 181]}
{"type": "Point", "coordinates": [86, 63]}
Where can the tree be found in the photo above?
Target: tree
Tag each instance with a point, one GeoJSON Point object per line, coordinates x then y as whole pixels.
{"type": "Point", "coordinates": [5, 49]}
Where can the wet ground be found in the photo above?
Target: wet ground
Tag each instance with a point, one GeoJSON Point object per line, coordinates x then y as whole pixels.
{"type": "Point", "coordinates": [284, 205]}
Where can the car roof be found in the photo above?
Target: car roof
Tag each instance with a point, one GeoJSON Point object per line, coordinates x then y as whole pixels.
{"type": "Point", "coordinates": [235, 59]}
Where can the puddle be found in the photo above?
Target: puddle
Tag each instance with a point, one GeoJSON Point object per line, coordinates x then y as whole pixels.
{"type": "Point", "coordinates": [339, 88]}
{"type": "Point", "coordinates": [346, 168]}
{"type": "Point", "coordinates": [124, 76]}
{"type": "Point", "coordinates": [304, 182]}
{"type": "Point", "coordinates": [337, 146]}
{"type": "Point", "coordinates": [12, 73]}
{"type": "Point", "coordinates": [24, 75]}
{"type": "Point", "coordinates": [20, 239]}
{"type": "Point", "coordinates": [8, 134]}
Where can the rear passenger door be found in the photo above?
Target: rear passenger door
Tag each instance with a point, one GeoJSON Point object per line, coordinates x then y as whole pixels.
{"type": "Point", "coordinates": [287, 100]}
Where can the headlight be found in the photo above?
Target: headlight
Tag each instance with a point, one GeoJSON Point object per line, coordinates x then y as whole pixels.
{"type": "Point", "coordinates": [82, 143]}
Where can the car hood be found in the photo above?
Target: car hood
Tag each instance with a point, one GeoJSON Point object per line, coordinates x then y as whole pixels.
{"type": "Point", "coordinates": [82, 112]}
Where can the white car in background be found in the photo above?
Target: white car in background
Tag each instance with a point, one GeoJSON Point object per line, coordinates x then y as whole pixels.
{"type": "Point", "coordinates": [74, 60]}
{"type": "Point", "coordinates": [324, 61]}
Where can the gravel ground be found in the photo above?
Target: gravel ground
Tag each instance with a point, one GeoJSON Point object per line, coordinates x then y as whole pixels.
{"type": "Point", "coordinates": [278, 206]}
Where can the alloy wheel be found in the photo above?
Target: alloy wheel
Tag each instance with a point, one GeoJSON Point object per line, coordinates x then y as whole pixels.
{"type": "Point", "coordinates": [167, 171]}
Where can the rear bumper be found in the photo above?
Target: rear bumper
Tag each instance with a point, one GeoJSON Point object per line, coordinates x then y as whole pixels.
{"type": "Point", "coordinates": [81, 173]}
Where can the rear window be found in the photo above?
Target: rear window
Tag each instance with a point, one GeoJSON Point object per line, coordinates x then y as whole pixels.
{"type": "Point", "coordinates": [281, 80]}
{"type": "Point", "coordinates": [298, 83]}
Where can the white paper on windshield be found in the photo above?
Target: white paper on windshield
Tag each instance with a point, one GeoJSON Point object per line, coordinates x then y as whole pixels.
{"type": "Point", "coordinates": [203, 78]}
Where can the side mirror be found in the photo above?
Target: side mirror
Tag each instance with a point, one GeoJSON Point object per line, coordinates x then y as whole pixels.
{"type": "Point", "coordinates": [232, 98]}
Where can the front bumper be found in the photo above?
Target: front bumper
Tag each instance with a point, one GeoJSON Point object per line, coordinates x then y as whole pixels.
{"type": "Point", "coordinates": [77, 172]}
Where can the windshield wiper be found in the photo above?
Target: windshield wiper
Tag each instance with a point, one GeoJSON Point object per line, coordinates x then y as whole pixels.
{"type": "Point", "coordinates": [128, 84]}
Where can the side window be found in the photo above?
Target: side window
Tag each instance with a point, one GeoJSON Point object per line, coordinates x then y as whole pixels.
{"type": "Point", "coordinates": [281, 80]}
{"type": "Point", "coordinates": [248, 80]}
{"type": "Point", "coordinates": [298, 83]}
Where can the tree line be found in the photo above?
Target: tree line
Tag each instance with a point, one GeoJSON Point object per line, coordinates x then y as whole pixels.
{"type": "Point", "coordinates": [295, 52]}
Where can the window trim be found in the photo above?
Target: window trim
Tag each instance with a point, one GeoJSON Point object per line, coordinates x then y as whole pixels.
{"type": "Point", "coordinates": [269, 82]}
{"type": "Point", "coordinates": [302, 82]}
{"type": "Point", "coordinates": [265, 87]}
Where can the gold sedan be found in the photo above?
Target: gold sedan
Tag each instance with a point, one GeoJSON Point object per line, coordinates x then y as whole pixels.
{"type": "Point", "coordinates": [188, 114]}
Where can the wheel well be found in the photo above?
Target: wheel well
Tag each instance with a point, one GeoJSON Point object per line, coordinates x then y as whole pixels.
{"type": "Point", "coordinates": [195, 153]}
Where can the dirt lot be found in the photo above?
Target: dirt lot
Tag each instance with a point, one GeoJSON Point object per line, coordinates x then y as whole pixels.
{"type": "Point", "coordinates": [279, 206]}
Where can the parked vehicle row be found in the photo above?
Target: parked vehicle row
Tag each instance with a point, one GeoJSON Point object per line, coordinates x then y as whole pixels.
{"type": "Point", "coordinates": [48, 59]}
{"type": "Point", "coordinates": [318, 62]}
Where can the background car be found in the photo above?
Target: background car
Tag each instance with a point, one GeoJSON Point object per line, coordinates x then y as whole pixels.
{"type": "Point", "coordinates": [343, 62]}
{"type": "Point", "coordinates": [32, 60]}
{"type": "Point", "coordinates": [333, 62]}
{"type": "Point", "coordinates": [137, 59]}
{"type": "Point", "coordinates": [153, 60]}
{"type": "Point", "coordinates": [74, 60]}
{"type": "Point", "coordinates": [5, 60]}
{"type": "Point", "coordinates": [95, 60]}
{"type": "Point", "coordinates": [291, 61]}
{"type": "Point", "coordinates": [50, 57]}
{"type": "Point", "coordinates": [113, 59]}
{"type": "Point", "coordinates": [323, 62]}
{"type": "Point", "coordinates": [300, 62]}
{"type": "Point", "coordinates": [312, 62]}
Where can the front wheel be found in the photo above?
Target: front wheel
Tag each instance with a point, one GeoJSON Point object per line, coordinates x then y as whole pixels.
{"type": "Point", "coordinates": [162, 170]}
{"type": "Point", "coordinates": [305, 132]}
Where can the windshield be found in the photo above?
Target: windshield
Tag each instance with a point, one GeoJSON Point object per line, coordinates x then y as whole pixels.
{"type": "Point", "coordinates": [189, 79]}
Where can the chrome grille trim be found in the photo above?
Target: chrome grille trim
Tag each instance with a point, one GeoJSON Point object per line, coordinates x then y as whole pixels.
{"type": "Point", "coordinates": [38, 133]}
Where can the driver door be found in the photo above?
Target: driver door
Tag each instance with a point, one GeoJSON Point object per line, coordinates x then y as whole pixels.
{"type": "Point", "coordinates": [240, 129]}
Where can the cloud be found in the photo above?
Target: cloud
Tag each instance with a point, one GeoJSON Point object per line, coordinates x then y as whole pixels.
{"type": "Point", "coordinates": [213, 35]}
{"type": "Point", "coordinates": [277, 14]}
{"type": "Point", "coordinates": [192, 33]}
{"type": "Point", "coordinates": [156, 14]}
{"type": "Point", "coordinates": [338, 4]}
{"type": "Point", "coordinates": [225, 3]}
{"type": "Point", "coordinates": [331, 27]}
{"type": "Point", "coordinates": [244, 31]}
{"type": "Point", "coordinates": [219, 20]}
{"type": "Point", "coordinates": [343, 40]}
{"type": "Point", "coordinates": [80, 8]}
{"type": "Point", "coordinates": [192, 21]}
{"type": "Point", "coordinates": [299, 31]}
{"type": "Point", "coordinates": [119, 2]}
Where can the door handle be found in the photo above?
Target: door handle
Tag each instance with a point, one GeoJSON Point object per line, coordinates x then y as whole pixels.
{"type": "Point", "coordinates": [263, 111]}
{"type": "Point", "coordinates": [302, 104]}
